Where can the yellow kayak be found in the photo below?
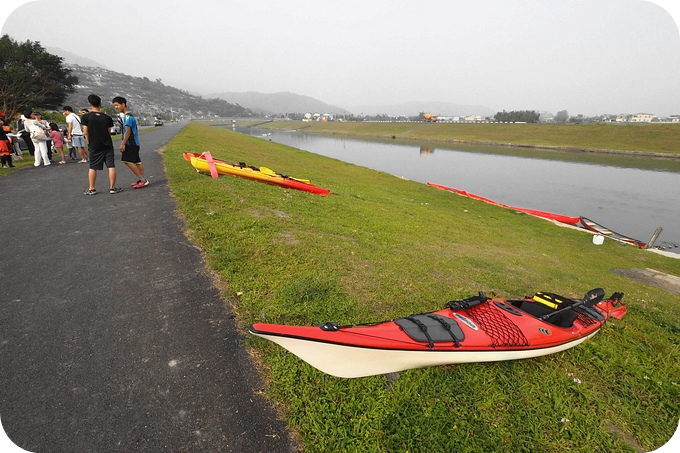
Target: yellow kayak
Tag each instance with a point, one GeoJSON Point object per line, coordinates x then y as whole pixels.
{"type": "Point", "coordinates": [262, 174]}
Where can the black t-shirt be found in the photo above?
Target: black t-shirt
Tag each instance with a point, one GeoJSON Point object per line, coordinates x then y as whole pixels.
{"type": "Point", "coordinates": [98, 125]}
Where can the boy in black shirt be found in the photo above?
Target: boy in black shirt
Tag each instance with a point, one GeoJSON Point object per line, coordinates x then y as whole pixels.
{"type": "Point", "coordinates": [97, 127]}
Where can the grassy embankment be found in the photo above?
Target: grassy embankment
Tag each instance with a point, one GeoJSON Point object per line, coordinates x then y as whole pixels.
{"type": "Point", "coordinates": [380, 247]}
{"type": "Point", "coordinates": [639, 138]}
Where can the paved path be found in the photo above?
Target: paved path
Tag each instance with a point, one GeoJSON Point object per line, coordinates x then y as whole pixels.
{"type": "Point", "coordinates": [112, 336]}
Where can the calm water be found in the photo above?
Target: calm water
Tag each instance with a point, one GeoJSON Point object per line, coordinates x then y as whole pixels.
{"type": "Point", "coordinates": [632, 195]}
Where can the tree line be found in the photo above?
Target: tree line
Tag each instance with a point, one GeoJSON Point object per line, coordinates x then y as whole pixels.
{"type": "Point", "coordinates": [517, 116]}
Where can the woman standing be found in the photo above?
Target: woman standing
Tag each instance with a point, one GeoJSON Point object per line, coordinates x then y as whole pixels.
{"type": "Point", "coordinates": [39, 136]}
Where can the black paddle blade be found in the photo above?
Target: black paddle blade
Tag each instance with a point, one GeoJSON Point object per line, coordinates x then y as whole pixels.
{"type": "Point", "coordinates": [593, 297]}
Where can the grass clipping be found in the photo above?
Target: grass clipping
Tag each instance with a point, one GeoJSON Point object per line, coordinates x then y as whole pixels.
{"type": "Point", "coordinates": [380, 247]}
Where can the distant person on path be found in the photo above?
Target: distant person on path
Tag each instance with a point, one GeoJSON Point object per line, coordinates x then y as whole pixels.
{"type": "Point", "coordinates": [75, 132]}
{"type": "Point", "coordinates": [57, 141]}
{"type": "Point", "coordinates": [39, 130]}
{"type": "Point", "coordinates": [129, 145]}
{"type": "Point", "coordinates": [97, 129]}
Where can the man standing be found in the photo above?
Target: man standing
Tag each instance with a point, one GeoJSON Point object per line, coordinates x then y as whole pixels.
{"type": "Point", "coordinates": [129, 146]}
{"type": "Point", "coordinates": [75, 132]}
{"type": "Point", "coordinates": [96, 127]}
{"type": "Point", "coordinates": [24, 133]}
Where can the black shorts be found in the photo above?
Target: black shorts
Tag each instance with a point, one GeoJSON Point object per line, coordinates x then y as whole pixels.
{"type": "Point", "coordinates": [131, 155]}
{"type": "Point", "coordinates": [99, 158]}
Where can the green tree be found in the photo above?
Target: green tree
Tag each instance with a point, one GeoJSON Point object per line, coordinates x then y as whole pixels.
{"type": "Point", "coordinates": [30, 77]}
{"type": "Point", "coordinates": [562, 116]}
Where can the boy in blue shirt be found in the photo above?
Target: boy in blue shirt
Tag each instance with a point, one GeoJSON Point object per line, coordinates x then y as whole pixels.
{"type": "Point", "coordinates": [130, 144]}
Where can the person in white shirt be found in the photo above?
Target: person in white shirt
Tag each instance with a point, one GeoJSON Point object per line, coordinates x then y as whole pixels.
{"type": "Point", "coordinates": [75, 132]}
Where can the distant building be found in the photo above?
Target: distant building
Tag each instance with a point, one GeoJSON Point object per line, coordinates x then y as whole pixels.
{"type": "Point", "coordinates": [546, 117]}
{"type": "Point", "coordinates": [642, 118]}
{"type": "Point", "coordinates": [607, 118]}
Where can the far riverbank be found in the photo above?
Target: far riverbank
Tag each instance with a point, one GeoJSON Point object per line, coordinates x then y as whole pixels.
{"type": "Point", "coordinates": [649, 140]}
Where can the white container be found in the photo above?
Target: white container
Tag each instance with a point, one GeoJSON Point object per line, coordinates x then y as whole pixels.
{"type": "Point", "coordinates": [598, 239]}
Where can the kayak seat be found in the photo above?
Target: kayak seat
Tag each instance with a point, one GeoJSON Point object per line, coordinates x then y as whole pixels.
{"type": "Point", "coordinates": [564, 319]}
{"type": "Point", "coordinates": [552, 300]}
{"type": "Point", "coordinates": [431, 328]}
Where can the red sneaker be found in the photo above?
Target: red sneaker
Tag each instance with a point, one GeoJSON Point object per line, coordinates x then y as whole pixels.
{"type": "Point", "coordinates": [140, 184]}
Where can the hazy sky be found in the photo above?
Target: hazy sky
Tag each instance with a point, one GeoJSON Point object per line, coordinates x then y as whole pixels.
{"type": "Point", "coordinates": [583, 56]}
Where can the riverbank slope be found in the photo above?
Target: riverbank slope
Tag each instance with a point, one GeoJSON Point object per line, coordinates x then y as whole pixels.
{"type": "Point", "coordinates": [380, 247]}
{"type": "Point", "coordinates": [659, 140]}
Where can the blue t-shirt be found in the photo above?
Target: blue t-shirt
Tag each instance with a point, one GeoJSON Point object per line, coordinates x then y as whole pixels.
{"type": "Point", "coordinates": [129, 120]}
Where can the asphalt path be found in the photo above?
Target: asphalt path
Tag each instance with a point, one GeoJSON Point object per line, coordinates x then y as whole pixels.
{"type": "Point", "coordinates": [112, 334]}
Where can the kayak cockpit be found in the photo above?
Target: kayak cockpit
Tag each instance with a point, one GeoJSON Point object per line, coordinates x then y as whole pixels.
{"type": "Point", "coordinates": [561, 311]}
{"type": "Point", "coordinates": [564, 319]}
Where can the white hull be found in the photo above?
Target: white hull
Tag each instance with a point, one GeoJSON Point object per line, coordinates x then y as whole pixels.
{"type": "Point", "coordinates": [353, 362]}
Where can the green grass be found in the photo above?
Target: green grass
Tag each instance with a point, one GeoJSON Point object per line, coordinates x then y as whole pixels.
{"type": "Point", "coordinates": [642, 138]}
{"type": "Point", "coordinates": [27, 161]}
{"type": "Point", "coordinates": [381, 247]}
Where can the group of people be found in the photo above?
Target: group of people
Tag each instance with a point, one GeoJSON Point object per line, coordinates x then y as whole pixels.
{"type": "Point", "coordinates": [41, 138]}
{"type": "Point", "coordinates": [90, 136]}
{"type": "Point", "coordinates": [96, 126]}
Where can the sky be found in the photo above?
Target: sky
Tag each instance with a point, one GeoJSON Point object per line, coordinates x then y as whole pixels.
{"type": "Point", "coordinates": [585, 56]}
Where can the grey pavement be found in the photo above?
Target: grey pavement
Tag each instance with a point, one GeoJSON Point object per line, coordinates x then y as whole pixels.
{"type": "Point", "coordinates": [113, 337]}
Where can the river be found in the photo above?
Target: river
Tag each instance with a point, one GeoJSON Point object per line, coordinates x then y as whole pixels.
{"type": "Point", "coordinates": [630, 195]}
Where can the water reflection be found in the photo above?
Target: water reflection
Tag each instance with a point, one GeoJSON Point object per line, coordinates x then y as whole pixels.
{"type": "Point", "coordinates": [630, 195]}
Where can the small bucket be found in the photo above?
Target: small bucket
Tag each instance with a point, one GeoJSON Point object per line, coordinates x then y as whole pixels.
{"type": "Point", "coordinates": [598, 239]}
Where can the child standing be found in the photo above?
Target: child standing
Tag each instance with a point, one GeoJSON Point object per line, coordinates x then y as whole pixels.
{"type": "Point", "coordinates": [57, 141]}
{"type": "Point", "coordinates": [71, 148]}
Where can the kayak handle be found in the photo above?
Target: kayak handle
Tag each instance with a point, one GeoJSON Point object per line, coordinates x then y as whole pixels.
{"type": "Point", "coordinates": [467, 303]}
{"type": "Point", "coordinates": [329, 326]}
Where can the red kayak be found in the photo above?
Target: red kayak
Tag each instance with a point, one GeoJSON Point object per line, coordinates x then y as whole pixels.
{"type": "Point", "coordinates": [477, 329]}
{"type": "Point", "coordinates": [604, 231]}
{"type": "Point", "coordinates": [534, 212]}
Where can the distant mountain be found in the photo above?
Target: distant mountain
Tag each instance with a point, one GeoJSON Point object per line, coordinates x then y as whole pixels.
{"type": "Point", "coordinates": [71, 58]}
{"type": "Point", "coordinates": [414, 108]}
{"type": "Point", "coordinates": [146, 97]}
{"type": "Point", "coordinates": [283, 102]}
